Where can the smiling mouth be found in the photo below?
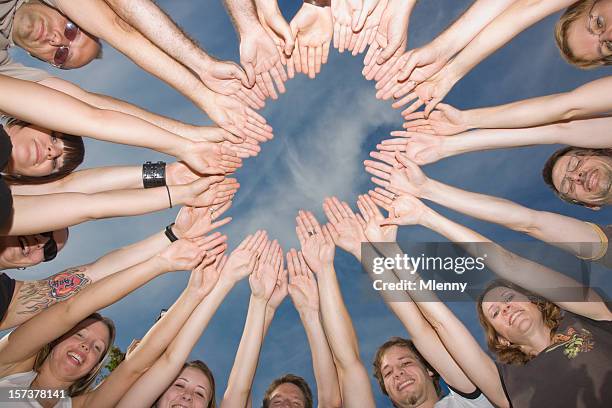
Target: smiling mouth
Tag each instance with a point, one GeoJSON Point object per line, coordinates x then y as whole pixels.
{"type": "Point", "coordinates": [75, 357]}
{"type": "Point", "coordinates": [592, 180]}
{"type": "Point", "coordinates": [514, 316]}
{"type": "Point", "coordinates": [405, 384]}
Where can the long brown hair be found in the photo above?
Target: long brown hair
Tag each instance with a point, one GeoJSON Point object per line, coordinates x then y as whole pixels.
{"type": "Point", "coordinates": [74, 153]}
{"type": "Point", "coordinates": [200, 365]}
{"type": "Point", "coordinates": [512, 353]}
{"type": "Point", "coordinates": [80, 386]}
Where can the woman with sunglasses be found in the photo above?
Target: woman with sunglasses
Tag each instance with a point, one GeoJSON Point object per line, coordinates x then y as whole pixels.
{"type": "Point", "coordinates": [22, 300]}
{"type": "Point", "coordinates": [62, 348]}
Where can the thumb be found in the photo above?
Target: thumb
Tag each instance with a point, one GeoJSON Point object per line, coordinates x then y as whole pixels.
{"type": "Point", "coordinates": [389, 221]}
{"type": "Point", "coordinates": [250, 74]}
{"type": "Point", "coordinates": [388, 52]}
{"type": "Point", "coordinates": [289, 37]}
{"type": "Point", "coordinates": [239, 74]}
{"type": "Point", "coordinates": [430, 106]}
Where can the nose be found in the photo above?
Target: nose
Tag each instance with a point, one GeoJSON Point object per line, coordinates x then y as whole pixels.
{"type": "Point", "coordinates": [576, 176]}
{"type": "Point", "coordinates": [56, 38]}
{"type": "Point", "coordinates": [54, 151]}
{"type": "Point", "coordinates": [85, 347]}
{"type": "Point", "coordinates": [41, 240]}
{"type": "Point", "coordinates": [186, 396]}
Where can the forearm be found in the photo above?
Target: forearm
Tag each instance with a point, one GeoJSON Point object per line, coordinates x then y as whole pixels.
{"type": "Point", "coordinates": [110, 103]}
{"type": "Point", "coordinates": [159, 28]}
{"type": "Point", "coordinates": [245, 364]}
{"type": "Point", "coordinates": [516, 18]}
{"type": "Point", "coordinates": [87, 181]}
{"type": "Point", "coordinates": [159, 377]}
{"type": "Point", "coordinates": [326, 377]}
{"type": "Point", "coordinates": [564, 232]}
{"type": "Point", "coordinates": [68, 209]}
{"type": "Point", "coordinates": [468, 25]}
{"type": "Point", "coordinates": [242, 13]}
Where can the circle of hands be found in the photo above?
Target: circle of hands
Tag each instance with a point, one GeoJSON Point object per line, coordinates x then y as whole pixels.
{"type": "Point", "coordinates": [271, 53]}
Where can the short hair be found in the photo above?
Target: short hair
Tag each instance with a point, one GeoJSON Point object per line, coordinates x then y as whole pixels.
{"type": "Point", "coordinates": [74, 153]}
{"type": "Point", "coordinates": [554, 158]}
{"type": "Point", "coordinates": [200, 365]}
{"type": "Point", "coordinates": [83, 384]}
{"type": "Point", "coordinates": [292, 379]}
{"type": "Point", "coordinates": [574, 13]}
{"type": "Point", "coordinates": [407, 344]}
{"type": "Point", "coordinates": [512, 354]}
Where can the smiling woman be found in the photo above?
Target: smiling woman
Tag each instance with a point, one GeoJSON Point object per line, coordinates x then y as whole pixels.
{"type": "Point", "coordinates": [40, 155]}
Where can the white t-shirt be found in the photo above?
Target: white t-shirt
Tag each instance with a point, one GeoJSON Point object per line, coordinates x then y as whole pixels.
{"type": "Point", "coordinates": [22, 381]}
{"type": "Point", "coordinates": [454, 400]}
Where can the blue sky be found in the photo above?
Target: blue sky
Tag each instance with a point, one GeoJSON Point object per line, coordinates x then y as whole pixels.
{"type": "Point", "coordinates": [317, 151]}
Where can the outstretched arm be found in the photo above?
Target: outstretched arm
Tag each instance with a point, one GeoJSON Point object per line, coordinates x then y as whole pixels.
{"type": "Point", "coordinates": [67, 209]}
{"type": "Point", "coordinates": [32, 297]}
{"type": "Point", "coordinates": [157, 379]}
{"type": "Point", "coordinates": [109, 393]}
{"type": "Point", "coordinates": [305, 295]}
{"type": "Point", "coordinates": [564, 232]}
{"type": "Point", "coordinates": [27, 339]}
{"type": "Point", "coordinates": [318, 249]}
{"type": "Point", "coordinates": [530, 275]}
{"type": "Point", "coordinates": [262, 282]}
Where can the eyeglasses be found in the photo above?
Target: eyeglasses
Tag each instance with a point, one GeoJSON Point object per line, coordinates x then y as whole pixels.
{"type": "Point", "coordinates": [61, 54]}
{"type": "Point", "coordinates": [567, 183]}
{"type": "Point", "coordinates": [596, 25]}
{"type": "Point", "coordinates": [50, 248]}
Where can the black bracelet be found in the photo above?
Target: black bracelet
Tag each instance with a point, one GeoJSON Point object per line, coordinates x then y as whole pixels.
{"type": "Point", "coordinates": [169, 197]}
{"type": "Point", "coordinates": [170, 234]}
{"type": "Point", "coordinates": [153, 174]}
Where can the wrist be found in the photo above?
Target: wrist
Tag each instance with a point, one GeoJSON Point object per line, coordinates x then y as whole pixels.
{"type": "Point", "coordinates": [429, 191]}
{"type": "Point", "coordinates": [259, 302]}
{"type": "Point", "coordinates": [153, 174]}
{"type": "Point", "coordinates": [471, 119]}
{"type": "Point", "coordinates": [161, 264]}
{"type": "Point", "coordinates": [429, 219]}
{"type": "Point", "coordinates": [308, 315]}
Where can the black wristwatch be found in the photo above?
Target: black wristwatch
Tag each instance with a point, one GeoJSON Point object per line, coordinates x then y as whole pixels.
{"type": "Point", "coordinates": [170, 234]}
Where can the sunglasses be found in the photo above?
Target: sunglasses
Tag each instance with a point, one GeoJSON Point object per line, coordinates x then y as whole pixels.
{"type": "Point", "coordinates": [50, 248]}
{"type": "Point", "coordinates": [61, 54]}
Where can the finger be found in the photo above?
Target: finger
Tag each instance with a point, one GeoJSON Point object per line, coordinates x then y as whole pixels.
{"type": "Point", "coordinates": [361, 221]}
{"type": "Point", "coordinates": [304, 59]}
{"type": "Point", "coordinates": [267, 80]}
{"type": "Point", "coordinates": [318, 59]}
{"type": "Point", "coordinates": [259, 84]}
{"type": "Point", "coordinates": [291, 66]}
{"type": "Point", "coordinates": [340, 208]}
{"type": "Point", "coordinates": [256, 241]}
{"type": "Point", "coordinates": [329, 212]}
{"type": "Point", "coordinates": [302, 262]}
{"type": "Point", "coordinates": [431, 105]}
{"type": "Point", "coordinates": [281, 77]}
{"type": "Point", "coordinates": [301, 225]}
{"type": "Point", "coordinates": [387, 158]}
{"type": "Point", "coordinates": [313, 222]}
{"type": "Point", "coordinates": [386, 193]}
{"type": "Point", "coordinates": [327, 235]}
{"type": "Point", "coordinates": [310, 227]}
{"type": "Point", "coordinates": [348, 211]}
{"type": "Point", "coordinates": [362, 210]}
{"type": "Point", "coordinates": [415, 116]}
{"type": "Point", "coordinates": [370, 54]}
{"type": "Point", "coordinates": [353, 42]}
{"type": "Point", "coordinates": [245, 242]}
{"type": "Point", "coordinates": [333, 231]}
{"type": "Point", "coordinates": [250, 74]}
{"type": "Point", "coordinates": [336, 35]}
{"type": "Point", "coordinates": [378, 173]}
{"type": "Point", "coordinates": [342, 40]}
{"type": "Point", "coordinates": [415, 105]}
{"type": "Point", "coordinates": [336, 209]}
{"type": "Point", "coordinates": [380, 182]}
{"type": "Point", "coordinates": [311, 63]}
{"type": "Point", "coordinates": [258, 92]}
{"type": "Point", "coordinates": [385, 168]}
{"type": "Point", "coordinates": [325, 55]}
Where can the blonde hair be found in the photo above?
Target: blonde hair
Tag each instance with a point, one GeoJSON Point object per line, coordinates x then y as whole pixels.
{"type": "Point", "coordinates": [572, 14]}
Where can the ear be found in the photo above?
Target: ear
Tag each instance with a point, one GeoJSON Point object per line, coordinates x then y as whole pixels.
{"type": "Point", "coordinates": [430, 373]}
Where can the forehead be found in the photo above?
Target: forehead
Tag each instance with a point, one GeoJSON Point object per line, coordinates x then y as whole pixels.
{"type": "Point", "coordinates": [195, 376]}
{"type": "Point", "coordinates": [396, 353]}
{"type": "Point", "coordinates": [96, 328]}
{"type": "Point", "coordinates": [558, 170]}
{"type": "Point", "coordinates": [288, 390]}
{"type": "Point", "coordinates": [499, 293]}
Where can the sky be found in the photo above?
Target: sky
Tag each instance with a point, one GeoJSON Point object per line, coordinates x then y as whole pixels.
{"type": "Point", "coordinates": [317, 151]}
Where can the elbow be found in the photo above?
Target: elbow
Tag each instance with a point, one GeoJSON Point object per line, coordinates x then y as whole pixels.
{"type": "Point", "coordinates": [528, 224]}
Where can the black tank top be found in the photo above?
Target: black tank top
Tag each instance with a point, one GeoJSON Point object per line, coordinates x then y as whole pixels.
{"type": "Point", "coordinates": [6, 200]}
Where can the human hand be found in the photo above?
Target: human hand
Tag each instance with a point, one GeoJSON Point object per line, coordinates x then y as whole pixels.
{"type": "Point", "coordinates": [276, 26]}
{"type": "Point", "coordinates": [264, 277]}
{"type": "Point", "coordinates": [262, 62]}
{"type": "Point", "coordinates": [303, 287]}
{"type": "Point", "coordinates": [403, 209]}
{"type": "Point", "coordinates": [430, 93]}
{"type": "Point", "coordinates": [209, 158]}
{"type": "Point", "coordinates": [346, 228]}
{"type": "Point", "coordinates": [317, 243]}
{"type": "Point", "coordinates": [313, 28]}
{"type": "Point", "coordinates": [374, 230]}
{"type": "Point", "coordinates": [205, 192]}
{"type": "Point", "coordinates": [237, 118]}
{"type": "Point", "coordinates": [445, 121]}
{"type": "Point", "coordinates": [391, 35]}
{"type": "Point", "coordinates": [397, 171]}
{"type": "Point", "coordinates": [227, 78]}
{"type": "Point", "coordinates": [342, 19]}
{"type": "Point", "coordinates": [183, 255]}
{"type": "Point", "coordinates": [205, 276]}
{"type": "Point", "coordinates": [280, 290]}
{"type": "Point", "coordinates": [194, 222]}
{"type": "Point", "coordinates": [414, 67]}
{"type": "Point", "coordinates": [363, 37]}
{"type": "Point", "coordinates": [243, 259]}
{"type": "Point", "coordinates": [360, 14]}
{"type": "Point", "coordinates": [420, 148]}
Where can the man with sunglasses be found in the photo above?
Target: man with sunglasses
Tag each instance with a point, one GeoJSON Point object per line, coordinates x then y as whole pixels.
{"type": "Point", "coordinates": [65, 34]}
